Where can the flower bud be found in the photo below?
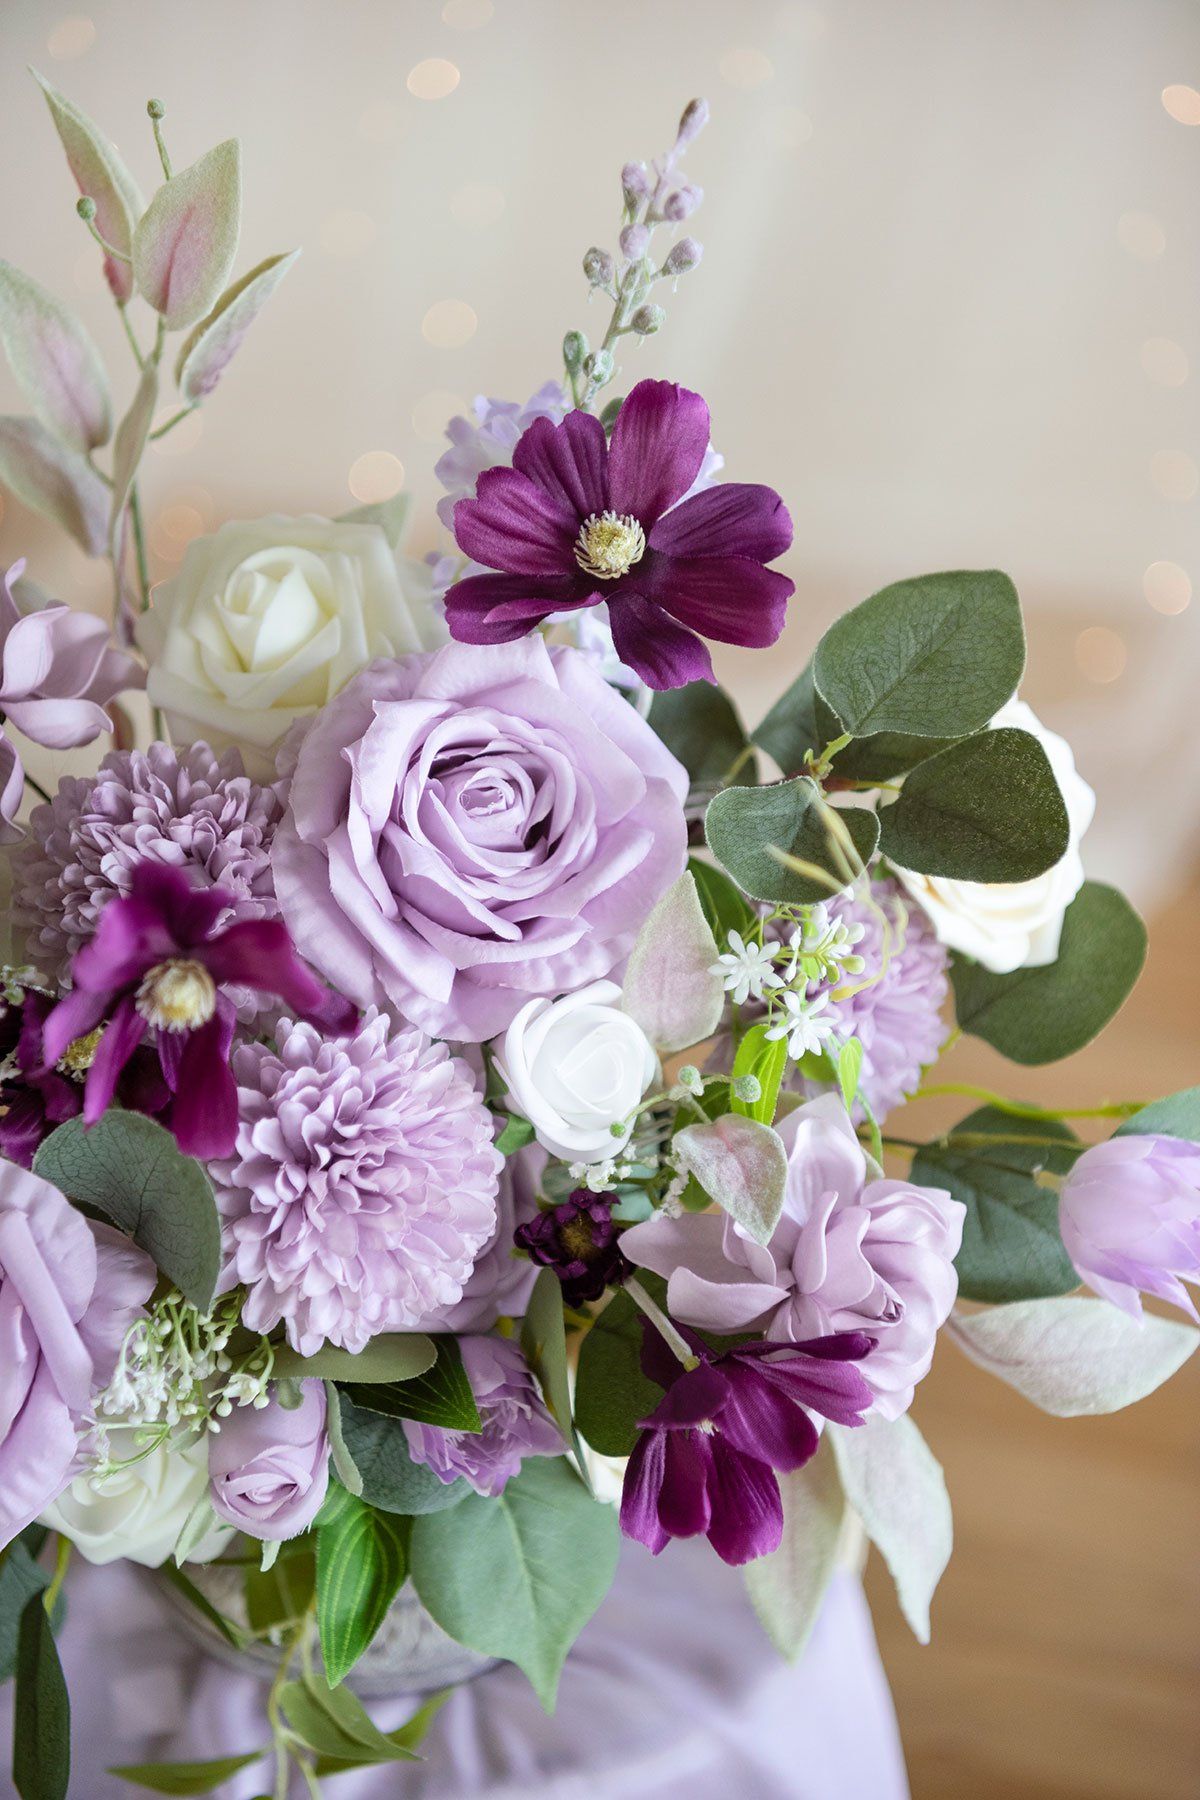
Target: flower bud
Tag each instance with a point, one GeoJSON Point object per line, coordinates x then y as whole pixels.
{"type": "Point", "coordinates": [635, 183]}
{"type": "Point", "coordinates": [681, 201]}
{"type": "Point", "coordinates": [690, 1078]}
{"type": "Point", "coordinates": [647, 320]}
{"type": "Point", "coordinates": [85, 206]}
{"type": "Point", "coordinates": [683, 256]}
{"type": "Point", "coordinates": [599, 267]}
{"type": "Point", "coordinates": [155, 108]}
{"type": "Point", "coordinates": [574, 349]}
{"type": "Point", "coordinates": [598, 367]}
{"type": "Point", "coordinates": [634, 240]}
{"type": "Point", "coordinates": [747, 1088]}
{"type": "Point", "coordinates": [695, 118]}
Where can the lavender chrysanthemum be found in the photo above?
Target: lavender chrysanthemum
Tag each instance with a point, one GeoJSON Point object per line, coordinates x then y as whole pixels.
{"type": "Point", "coordinates": [363, 1184]}
{"type": "Point", "coordinates": [514, 1420]}
{"type": "Point", "coordinates": [186, 808]}
{"type": "Point", "coordinates": [488, 440]}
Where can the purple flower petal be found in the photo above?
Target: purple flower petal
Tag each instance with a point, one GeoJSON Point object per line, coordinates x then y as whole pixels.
{"type": "Point", "coordinates": [662, 653]}
{"type": "Point", "coordinates": [77, 1013]}
{"type": "Point", "coordinates": [205, 1114]}
{"type": "Point", "coordinates": [514, 525]}
{"type": "Point", "coordinates": [658, 445]}
{"type": "Point", "coordinates": [765, 1423]}
{"type": "Point", "coordinates": [497, 609]}
{"type": "Point", "coordinates": [118, 1041]}
{"type": "Point", "coordinates": [734, 518]}
{"type": "Point", "coordinates": [683, 1503]}
{"type": "Point", "coordinates": [131, 937]}
{"type": "Point", "coordinates": [259, 953]}
{"type": "Point", "coordinates": [747, 1510]}
{"type": "Point", "coordinates": [695, 1398]}
{"type": "Point", "coordinates": [730, 598]}
{"type": "Point", "coordinates": [639, 1496]}
{"type": "Point", "coordinates": [569, 461]}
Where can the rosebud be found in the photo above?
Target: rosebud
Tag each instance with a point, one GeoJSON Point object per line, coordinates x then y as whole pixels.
{"type": "Point", "coordinates": [647, 320]}
{"type": "Point", "coordinates": [575, 348]}
{"type": "Point", "coordinates": [635, 183]}
{"type": "Point", "coordinates": [682, 201]}
{"type": "Point", "coordinates": [683, 256]}
{"type": "Point", "coordinates": [747, 1088]}
{"type": "Point", "coordinates": [598, 366]}
{"type": "Point", "coordinates": [599, 267]}
{"type": "Point", "coordinates": [695, 118]}
{"type": "Point", "coordinates": [634, 240]}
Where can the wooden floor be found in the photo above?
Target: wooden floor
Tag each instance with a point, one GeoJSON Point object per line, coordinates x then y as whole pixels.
{"type": "Point", "coordinates": [1065, 1662]}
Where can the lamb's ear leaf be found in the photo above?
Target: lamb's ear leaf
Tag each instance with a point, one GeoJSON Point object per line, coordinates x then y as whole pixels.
{"type": "Point", "coordinates": [102, 176]}
{"type": "Point", "coordinates": [212, 344]}
{"type": "Point", "coordinates": [55, 362]}
{"type": "Point", "coordinates": [185, 242]}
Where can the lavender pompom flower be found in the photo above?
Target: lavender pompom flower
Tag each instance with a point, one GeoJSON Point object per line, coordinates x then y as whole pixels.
{"type": "Point", "coordinates": [515, 1421]}
{"type": "Point", "coordinates": [1130, 1217]}
{"type": "Point", "coordinates": [579, 1241]}
{"type": "Point", "coordinates": [488, 440]}
{"type": "Point", "coordinates": [362, 1186]}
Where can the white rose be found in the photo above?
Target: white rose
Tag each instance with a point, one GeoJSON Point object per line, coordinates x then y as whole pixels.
{"type": "Point", "coordinates": [575, 1067]}
{"type": "Point", "coordinates": [136, 1513]}
{"type": "Point", "coordinates": [1015, 924]}
{"type": "Point", "coordinates": [268, 619]}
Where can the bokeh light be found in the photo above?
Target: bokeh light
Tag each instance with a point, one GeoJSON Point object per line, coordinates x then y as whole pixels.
{"type": "Point", "coordinates": [433, 79]}
{"type": "Point", "coordinates": [1100, 653]}
{"type": "Point", "coordinates": [376, 475]}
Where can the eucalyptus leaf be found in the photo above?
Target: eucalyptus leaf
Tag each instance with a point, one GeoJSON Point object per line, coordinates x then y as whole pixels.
{"type": "Point", "coordinates": [669, 988]}
{"type": "Point", "coordinates": [133, 1171]}
{"type": "Point", "coordinates": [742, 1165]}
{"type": "Point", "coordinates": [722, 902]}
{"type": "Point", "coordinates": [362, 1559]}
{"type": "Point", "coordinates": [933, 657]}
{"type": "Point", "coordinates": [886, 754]}
{"type": "Point", "coordinates": [798, 725]}
{"type": "Point", "coordinates": [391, 1480]}
{"type": "Point", "coordinates": [41, 1763]}
{"type": "Point", "coordinates": [611, 1391]}
{"type": "Point", "coordinates": [186, 240]}
{"type": "Point", "coordinates": [1074, 1356]}
{"type": "Point", "coordinates": [55, 481]}
{"type": "Point", "coordinates": [392, 1356]}
{"type": "Point", "coordinates": [213, 343]}
{"type": "Point", "coordinates": [988, 809]}
{"type": "Point", "coordinates": [895, 1484]}
{"type": "Point", "coordinates": [745, 827]}
{"type": "Point", "coordinates": [100, 174]}
{"type": "Point", "coordinates": [699, 724]}
{"type": "Point", "coordinates": [788, 1586]}
{"type": "Point", "coordinates": [1178, 1116]}
{"type": "Point", "coordinates": [186, 1777]}
{"type": "Point", "coordinates": [441, 1395]}
{"type": "Point", "coordinates": [1038, 1015]}
{"type": "Point", "coordinates": [55, 362]}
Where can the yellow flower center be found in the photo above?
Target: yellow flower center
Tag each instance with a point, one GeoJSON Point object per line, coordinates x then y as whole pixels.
{"type": "Point", "coordinates": [77, 1059]}
{"type": "Point", "coordinates": [179, 995]}
{"type": "Point", "coordinates": [609, 544]}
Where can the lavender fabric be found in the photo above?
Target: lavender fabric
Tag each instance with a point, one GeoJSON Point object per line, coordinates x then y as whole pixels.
{"type": "Point", "coordinates": [362, 1186]}
{"type": "Point", "coordinates": [269, 1466]}
{"type": "Point", "coordinates": [468, 830]}
{"type": "Point", "coordinates": [848, 1254]}
{"type": "Point", "coordinates": [515, 1421]}
{"type": "Point", "coordinates": [69, 1291]}
{"type": "Point", "coordinates": [1129, 1212]}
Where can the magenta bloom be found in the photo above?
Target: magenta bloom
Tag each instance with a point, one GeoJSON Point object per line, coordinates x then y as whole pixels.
{"type": "Point", "coordinates": [578, 520]}
{"type": "Point", "coordinates": [156, 965]}
{"type": "Point", "coordinates": [580, 1242]}
{"type": "Point", "coordinates": [708, 1453]}
{"type": "Point", "coordinates": [1129, 1213]}
{"type": "Point", "coordinates": [269, 1466]}
{"type": "Point", "coordinates": [515, 1421]}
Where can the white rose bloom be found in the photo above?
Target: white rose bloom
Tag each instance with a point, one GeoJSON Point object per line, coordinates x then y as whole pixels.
{"type": "Point", "coordinates": [1011, 925]}
{"type": "Point", "coordinates": [575, 1067]}
{"type": "Point", "coordinates": [136, 1513]}
{"type": "Point", "coordinates": [268, 619]}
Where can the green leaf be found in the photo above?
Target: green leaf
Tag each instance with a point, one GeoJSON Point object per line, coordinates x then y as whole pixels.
{"type": "Point", "coordinates": [799, 724]}
{"type": "Point", "coordinates": [520, 1575]}
{"type": "Point", "coordinates": [440, 1396]}
{"type": "Point", "coordinates": [611, 1392]}
{"type": "Point", "coordinates": [669, 987]}
{"type": "Point", "coordinates": [1177, 1116]}
{"type": "Point", "coordinates": [746, 826]}
{"type": "Point", "coordinates": [208, 349]}
{"type": "Point", "coordinates": [282, 1594]}
{"type": "Point", "coordinates": [987, 809]}
{"type": "Point", "coordinates": [390, 515]}
{"type": "Point", "coordinates": [133, 1171]}
{"type": "Point", "coordinates": [55, 362]}
{"type": "Point", "coordinates": [788, 1586]}
{"type": "Point", "coordinates": [409, 1736]}
{"type": "Point", "coordinates": [516, 1134]}
{"type": "Point", "coordinates": [699, 724]}
{"type": "Point", "coordinates": [886, 754]}
{"type": "Point", "coordinates": [742, 1164]}
{"type": "Point", "coordinates": [723, 904]}
{"type": "Point", "coordinates": [932, 657]}
{"type": "Point", "coordinates": [20, 1579]}
{"type": "Point", "coordinates": [362, 1560]}
{"type": "Point", "coordinates": [391, 1479]}
{"type": "Point", "coordinates": [186, 1777]}
{"type": "Point", "coordinates": [849, 1068]}
{"type": "Point", "coordinates": [1011, 1247]}
{"type": "Point", "coordinates": [544, 1341]}
{"type": "Point", "coordinates": [334, 1724]}
{"type": "Point", "coordinates": [766, 1059]}
{"type": "Point", "coordinates": [1037, 1015]}
{"type": "Point", "coordinates": [233, 1636]}
{"type": "Point", "coordinates": [393, 1356]}
{"type": "Point", "coordinates": [41, 1711]}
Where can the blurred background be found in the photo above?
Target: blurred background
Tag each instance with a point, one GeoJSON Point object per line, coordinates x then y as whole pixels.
{"type": "Point", "coordinates": [948, 306]}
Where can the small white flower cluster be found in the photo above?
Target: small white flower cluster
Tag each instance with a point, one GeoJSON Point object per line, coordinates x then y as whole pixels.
{"type": "Point", "coordinates": [175, 1370]}
{"type": "Point", "coordinates": [819, 949]}
{"type": "Point", "coordinates": [599, 1177]}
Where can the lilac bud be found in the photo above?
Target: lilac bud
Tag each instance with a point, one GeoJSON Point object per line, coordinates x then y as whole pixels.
{"type": "Point", "coordinates": [635, 183]}
{"type": "Point", "coordinates": [647, 320]}
{"type": "Point", "coordinates": [598, 367]}
{"type": "Point", "coordinates": [683, 256]}
{"type": "Point", "coordinates": [695, 118]}
{"type": "Point", "coordinates": [574, 349]}
{"type": "Point", "coordinates": [599, 267]}
{"type": "Point", "coordinates": [634, 240]}
{"type": "Point", "coordinates": [85, 206]}
{"type": "Point", "coordinates": [682, 201]}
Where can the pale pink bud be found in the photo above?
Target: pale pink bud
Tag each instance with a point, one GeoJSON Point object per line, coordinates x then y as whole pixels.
{"type": "Point", "coordinates": [634, 240]}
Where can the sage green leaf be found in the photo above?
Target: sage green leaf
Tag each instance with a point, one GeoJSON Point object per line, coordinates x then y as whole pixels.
{"type": "Point", "coordinates": [699, 724]}
{"type": "Point", "coordinates": [362, 1560]}
{"type": "Point", "coordinates": [611, 1392]}
{"type": "Point", "coordinates": [544, 1342]}
{"type": "Point", "coordinates": [1011, 1246]}
{"type": "Point", "coordinates": [520, 1575]}
{"type": "Point", "coordinates": [54, 481]}
{"type": "Point", "coordinates": [1038, 1015]}
{"type": "Point", "coordinates": [787, 1587]}
{"type": "Point", "coordinates": [186, 1777]}
{"type": "Point", "coordinates": [1075, 1356]}
{"type": "Point", "coordinates": [516, 1134]}
{"type": "Point", "coordinates": [212, 344]}
{"type": "Point", "coordinates": [408, 1737]}
{"type": "Point", "coordinates": [186, 240]}
{"type": "Point", "coordinates": [987, 809]}
{"type": "Point", "coordinates": [55, 362]}
{"type": "Point", "coordinates": [933, 657]}
{"type": "Point", "coordinates": [723, 904]}
{"type": "Point", "coordinates": [745, 827]}
{"type": "Point", "coordinates": [20, 1579]}
{"type": "Point", "coordinates": [391, 1480]}
{"type": "Point", "coordinates": [895, 1484]}
{"type": "Point", "coordinates": [849, 1068]}
{"type": "Point", "coordinates": [103, 177]}
{"type": "Point", "coordinates": [441, 1395]}
{"type": "Point", "coordinates": [1177, 1116]}
{"type": "Point", "coordinates": [234, 1636]}
{"type": "Point", "coordinates": [282, 1594]}
{"type": "Point", "coordinates": [334, 1724]}
{"type": "Point", "coordinates": [392, 1356]}
{"type": "Point", "coordinates": [133, 1171]}
{"type": "Point", "coordinates": [41, 1763]}
{"type": "Point", "coordinates": [390, 515]}
{"type": "Point", "coordinates": [798, 725]}
{"type": "Point", "coordinates": [670, 989]}
{"type": "Point", "coordinates": [766, 1059]}
{"type": "Point", "coordinates": [130, 442]}
{"type": "Point", "coordinates": [344, 1465]}
{"type": "Point", "coordinates": [886, 754]}
{"type": "Point", "coordinates": [742, 1165]}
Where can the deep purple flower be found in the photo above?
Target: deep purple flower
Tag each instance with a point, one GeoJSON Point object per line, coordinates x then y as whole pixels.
{"type": "Point", "coordinates": [708, 1453]}
{"type": "Point", "coordinates": [156, 964]}
{"type": "Point", "coordinates": [578, 520]}
{"type": "Point", "coordinates": [1130, 1217]}
{"type": "Point", "coordinates": [579, 1241]}
{"type": "Point", "coordinates": [33, 1100]}
{"type": "Point", "coordinates": [515, 1421]}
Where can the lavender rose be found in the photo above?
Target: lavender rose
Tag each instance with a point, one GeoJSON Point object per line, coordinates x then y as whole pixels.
{"type": "Point", "coordinates": [269, 1467]}
{"type": "Point", "coordinates": [469, 830]}
{"type": "Point", "coordinates": [1130, 1218]}
{"type": "Point", "coordinates": [515, 1422]}
{"type": "Point", "coordinates": [848, 1254]}
{"type": "Point", "coordinates": [69, 1291]}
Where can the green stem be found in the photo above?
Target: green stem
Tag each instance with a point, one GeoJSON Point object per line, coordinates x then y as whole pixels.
{"type": "Point", "coordinates": [131, 336]}
{"type": "Point", "coordinates": [661, 1323]}
{"type": "Point", "coordinates": [36, 786]}
{"type": "Point", "coordinates": [185, 412]}
{"type": "Point", "coordinates": [139, 545]}
{"type": "Point", "coordinates": [1021, 1109]}
{"type": "Point", "coordinates": [62, 1561]}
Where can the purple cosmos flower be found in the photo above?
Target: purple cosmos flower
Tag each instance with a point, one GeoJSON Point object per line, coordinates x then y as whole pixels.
{"type": "Point", "coordinates": [579, 1241]}
{"type": "Point", "coordinates": [156, 964]}
{"type": "Point", "coordinates": [515, 1421]}
{"type": "Point", "coordinates": [578, 520]}
{"type": "Point", "coordinates": [708, 1453]}
{"type": "Point", "coordinates": [1129, 1212]}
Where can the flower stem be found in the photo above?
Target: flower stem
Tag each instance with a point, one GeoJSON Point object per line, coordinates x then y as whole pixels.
{"type": "Point", "coordinates": [184, 412]}
{"type": "Point", "coordinates": [36, 786]}
{"type": "Point", "coordinates": [1021, 1109]}
{"type": "Point", "coordinates": [661, 1324]}
{"type": "Point", "coordinates": [62, 1560]}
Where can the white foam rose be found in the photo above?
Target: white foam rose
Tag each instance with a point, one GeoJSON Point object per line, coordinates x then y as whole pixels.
{"type": "Point", "coordinates": [575, 1067]}
{"type": "Point", "coordinates": [268, 619]}
{"type": "Point", "coordinates": [1016, 924]}
{"type": "Point", "coordinates": [136, 1513]}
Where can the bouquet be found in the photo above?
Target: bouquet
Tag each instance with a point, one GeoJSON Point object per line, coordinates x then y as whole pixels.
{"type": "Point", "coordinates": [453, 1072]}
